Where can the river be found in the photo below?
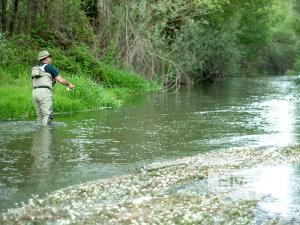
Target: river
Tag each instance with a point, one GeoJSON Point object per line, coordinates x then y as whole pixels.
{"type": "Point", "coordinates": [238, 112]}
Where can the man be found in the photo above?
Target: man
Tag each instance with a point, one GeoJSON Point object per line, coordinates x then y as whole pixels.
{"type": "Point", "coordinates": [43, 77]}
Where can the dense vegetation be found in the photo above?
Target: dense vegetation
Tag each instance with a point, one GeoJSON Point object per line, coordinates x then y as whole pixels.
{"type": "Point", "coordinates": [96, 84]}
{"type": "Point", "coordinates": [174, 42]}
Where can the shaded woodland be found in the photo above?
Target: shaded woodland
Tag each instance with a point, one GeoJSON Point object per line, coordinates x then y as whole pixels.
{"type": "Point", "coordinates": [175, 42]}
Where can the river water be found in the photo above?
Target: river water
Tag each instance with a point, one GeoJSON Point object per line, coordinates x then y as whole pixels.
{"type": "Point", "coordinates": [237, 112]}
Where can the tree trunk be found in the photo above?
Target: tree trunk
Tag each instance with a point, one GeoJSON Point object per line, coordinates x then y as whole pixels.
{"type": "Point", "coordinates": [3, 15]}
{"type": "Point", "coordinates": [32, 7]}
{"type": "Point", "coordinates": [14, 15]}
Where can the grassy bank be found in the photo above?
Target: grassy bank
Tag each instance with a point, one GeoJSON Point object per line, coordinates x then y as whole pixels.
{"type": "Point", "coordinates": [16, 100]}
{"type": "Point", "coordinates": [96, 84]}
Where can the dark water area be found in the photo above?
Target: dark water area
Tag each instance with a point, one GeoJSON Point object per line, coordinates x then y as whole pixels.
{"type": "Point", "coordinates": [82, 147]}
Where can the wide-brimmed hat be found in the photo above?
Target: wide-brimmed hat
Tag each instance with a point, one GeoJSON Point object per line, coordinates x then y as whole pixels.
{"type": "Point", "coordinates": [44, 54]}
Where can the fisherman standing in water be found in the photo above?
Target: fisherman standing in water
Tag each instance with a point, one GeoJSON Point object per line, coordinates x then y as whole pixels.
{"type": "Point", "coordinates": [43, 77]}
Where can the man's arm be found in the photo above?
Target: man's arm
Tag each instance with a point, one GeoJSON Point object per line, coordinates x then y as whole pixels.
{"type": "Point", "coordinates": [63, 81]}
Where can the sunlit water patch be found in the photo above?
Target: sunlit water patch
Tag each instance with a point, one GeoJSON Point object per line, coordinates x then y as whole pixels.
{"type": "Point", "coordinates": [276, 187]}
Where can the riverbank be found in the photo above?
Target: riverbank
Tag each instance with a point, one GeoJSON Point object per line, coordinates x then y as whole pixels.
{"type": "Point", "coordinates": [97, 83]}
{"type": "Point", "coordinates": [184, 191]}
{"type": "Point", "coordinates": [16, 101]}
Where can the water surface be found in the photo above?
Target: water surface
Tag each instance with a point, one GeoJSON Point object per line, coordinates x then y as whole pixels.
{"type": "Point", "coordinates": [158, 126]}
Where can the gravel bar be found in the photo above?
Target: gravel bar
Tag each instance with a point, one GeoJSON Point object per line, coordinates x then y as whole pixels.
{"type": "Point", "coordinates": [155, 194]}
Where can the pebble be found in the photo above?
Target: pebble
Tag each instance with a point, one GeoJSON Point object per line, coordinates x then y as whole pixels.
{"type": "Point", "coordinates": [147, 199]}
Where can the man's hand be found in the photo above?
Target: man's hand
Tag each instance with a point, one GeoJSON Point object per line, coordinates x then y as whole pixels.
{"type": "Point", "coordinates": [63, 81]}
{"type": "Point", "coordinates": [70, 86]}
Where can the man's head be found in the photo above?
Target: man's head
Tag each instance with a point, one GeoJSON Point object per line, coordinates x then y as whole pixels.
{"type": "Point", "coordinates": [45, 57]}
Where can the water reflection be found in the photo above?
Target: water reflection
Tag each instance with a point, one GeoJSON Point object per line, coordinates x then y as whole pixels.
{"type": "Point", "coordinates": [276, 187]}
{"type": "Point", "coordinates": [275, 182]}
{"type": "Point", "coordinates": [280, 186]}
{"type": "Point", "coordinates": [280, 120]}
{"type": "Point", "coordinates": [40, 151]}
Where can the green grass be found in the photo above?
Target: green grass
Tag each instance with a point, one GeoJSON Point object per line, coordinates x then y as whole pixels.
{"type": "Point", "coordinates": [16, 95]}
{"type": "Point", "coordinates": [96, 84]}
{"type": "Point", "coordinates": [15, 102]}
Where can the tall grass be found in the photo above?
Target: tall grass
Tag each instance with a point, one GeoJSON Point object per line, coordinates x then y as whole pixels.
{"type": "Point", "coordinates": [121, 78]}
{"type": "Point", "coordinates": [15, 102]}
{"type": "Point", "coordinates": [96, 84]}
{"type": "Point", "coordinates": [87, 95]}
{"type": "Point", "coordinates": [16, 95]}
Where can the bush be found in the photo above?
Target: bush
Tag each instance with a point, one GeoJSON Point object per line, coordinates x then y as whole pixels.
{"type": "Point", "coordinates": [16, 101]}
{"type": "Point", "coordinates": [78, 64]}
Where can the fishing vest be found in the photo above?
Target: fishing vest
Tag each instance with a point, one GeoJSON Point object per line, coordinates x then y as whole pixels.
{"type": "Point", "coordinates": [40, 78]}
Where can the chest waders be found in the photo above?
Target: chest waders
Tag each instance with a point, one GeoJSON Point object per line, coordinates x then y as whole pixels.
{"type": "Point", "coordinates": [40, 78]}
{"type": "Point", "coordinates": [42, 96]}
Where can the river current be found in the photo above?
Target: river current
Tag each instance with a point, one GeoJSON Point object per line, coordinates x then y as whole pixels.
{"type": "Point", "coordinates": [233, 113]}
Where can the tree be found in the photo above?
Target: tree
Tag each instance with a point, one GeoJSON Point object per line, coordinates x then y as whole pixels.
{"type": "Point", "coordinates": [14, 15]}
{"type": "Point", "coordinates": [3, 15]}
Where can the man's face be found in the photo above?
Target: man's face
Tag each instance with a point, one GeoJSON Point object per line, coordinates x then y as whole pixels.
{"type": "Point", "coordinates": [48, 60]}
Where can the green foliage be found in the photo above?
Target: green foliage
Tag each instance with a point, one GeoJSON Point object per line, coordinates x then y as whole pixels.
{"type": "Point", "coordinates": [204, 54]}
{"type": "Point", "coordinates": [86, 95]}
{"type": "Point", "coordinates": [204, 46]}
{"type": "Point", "coordinates": [291, 41]}
{"type": "Point", "coordinates": [122, 78]}
{"type": "Point", "coordinates": [78, 64]}
{"type": "Point", "coordinates": [18, 50]}
{"type": "Point", "coordinates": [79, 59]}
{"type": "Point", "coordinates": [59, 23]}
{"type": "Point", "coordinates": [296, 68]}
{"type": "Point", "coordinates": [163, 40]}
{"type": "Point", "coordinates": [15, 103]}
{"type": "Point", "coordinates": [199, 39]}
{"type": "Point", "coordinates": [15, 91]}
{"type": "Point", "coordinates": [16, 100]}
{"type": "Point", "coordinates": [280, 51]}
{"type": "Point", "coordinates": [110, 54]}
